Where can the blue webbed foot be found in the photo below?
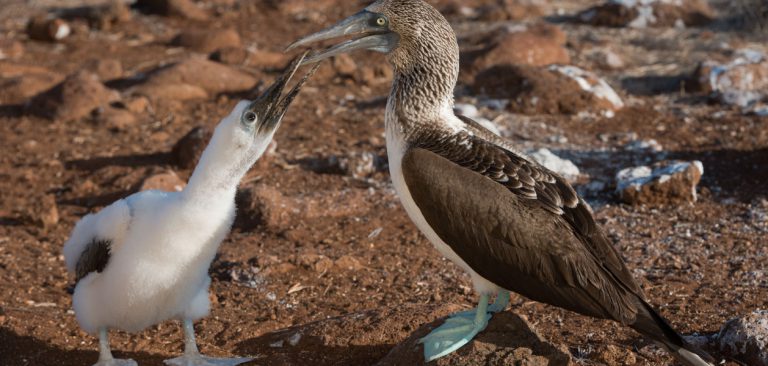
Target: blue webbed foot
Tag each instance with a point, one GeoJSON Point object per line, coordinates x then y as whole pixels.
{"type": "Point", "coordinates": [452, 335]}
{"type": "Point", "coordinates": [199, 360]}
{"type": "Point", "coordinates": [460, 328]}
{"type": "Point", "coordinates": [116, 362]}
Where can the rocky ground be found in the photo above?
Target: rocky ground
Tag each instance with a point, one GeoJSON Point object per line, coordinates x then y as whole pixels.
{"type": "Point", "coordinates": [100, 99]}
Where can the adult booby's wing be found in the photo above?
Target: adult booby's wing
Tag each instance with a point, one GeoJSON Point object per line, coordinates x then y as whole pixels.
{"type": "Point", "coordinates": [517, 224]}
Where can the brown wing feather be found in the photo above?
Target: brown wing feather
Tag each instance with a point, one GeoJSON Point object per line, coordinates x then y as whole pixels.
{"type": "Point", "coordinates": [564, 259]}
{"type": "Point", "coordinates": [93, 259]}
{"type": "Point", "coordinates": [531, 180]}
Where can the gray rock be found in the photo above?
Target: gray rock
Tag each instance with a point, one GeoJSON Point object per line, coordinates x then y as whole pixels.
{"type": "Point", "coordinates": [644, 145]}
{"type": "Point", "coordinates": [665, 182]}
{"type": "Point", "coordinates": [465, 109]}
{"type": "Point", "coordinates": [742, 81]}
{"type": "Point", "coordinates": [469, 110]}
{"type": "Point", "coordinates": [561, 166]}
{"type": "Point", "coordinates": [746, 338]}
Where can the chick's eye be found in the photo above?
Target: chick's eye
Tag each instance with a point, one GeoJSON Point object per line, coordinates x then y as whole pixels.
{"type": "Point", "coordinates": [381, 21]}
{"type": "Point", "coordinates": [249, 117]}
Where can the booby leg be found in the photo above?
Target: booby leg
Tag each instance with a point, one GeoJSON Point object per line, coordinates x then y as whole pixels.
{"type": "Point", "coordinates": [456, 331]}
{"type": "Point", "coordinates": [105, 354]}
{"type": "Point", "coordinates": [501, 302]}
{"type": "Point", "coordinates": [192, 356]}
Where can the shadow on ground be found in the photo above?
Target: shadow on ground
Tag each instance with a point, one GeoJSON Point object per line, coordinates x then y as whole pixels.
{"type": "Point", "coordinates": [123, 160]}
{"type": "Point", "coordinates": [388, 337]}
{"type": "Point", "coordinates": [28, 351]}
{"type": "Point", "coordinates": [360, 338]}
{"type": "Point", "coordinates": [728, 173]}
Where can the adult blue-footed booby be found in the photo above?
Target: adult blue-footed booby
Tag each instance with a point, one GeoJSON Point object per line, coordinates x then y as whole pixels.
{"type": "Point", "coordinates": [144, 259]}
{"type": "Point", "coordinates": [509, 222]}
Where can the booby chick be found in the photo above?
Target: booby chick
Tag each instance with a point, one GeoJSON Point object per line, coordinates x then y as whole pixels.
{"type": "Point", "coordinates": [144, 259]}
{"type": "Point", "coordinates": [506, 220]}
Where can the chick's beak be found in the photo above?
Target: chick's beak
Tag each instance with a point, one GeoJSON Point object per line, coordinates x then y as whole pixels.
{"type": "Point", "coordinates": [269, 107]}
{"type": "Point", "coordinates": [364, 31]}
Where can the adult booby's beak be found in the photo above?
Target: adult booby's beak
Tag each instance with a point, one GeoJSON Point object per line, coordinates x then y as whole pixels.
{"type": "Point", "coordinates": [368, 30]}
{"type": "Point", "coordinates": [269, 107]}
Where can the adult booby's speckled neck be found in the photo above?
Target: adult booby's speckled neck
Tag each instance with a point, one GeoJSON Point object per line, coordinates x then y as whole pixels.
{"type": "Point", "coordinates": [144, 259]}
{"type": "Point", "coordinates": [509, 222]}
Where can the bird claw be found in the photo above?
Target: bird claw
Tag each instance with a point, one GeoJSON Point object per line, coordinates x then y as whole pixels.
{"type": "Point", "coordinates": [116, 362]}
{"type": "Point", "coordinates": [199, 360]}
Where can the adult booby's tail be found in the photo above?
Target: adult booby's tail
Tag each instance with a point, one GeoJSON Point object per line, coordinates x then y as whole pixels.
{"type": "Point", "coordinates": [650, 324]}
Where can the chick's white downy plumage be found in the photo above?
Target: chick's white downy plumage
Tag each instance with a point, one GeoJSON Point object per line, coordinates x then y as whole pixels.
{"type": "Point", "coordinates": [144, 259]}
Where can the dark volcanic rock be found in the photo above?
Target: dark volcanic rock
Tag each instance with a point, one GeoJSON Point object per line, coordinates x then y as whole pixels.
{"type": "Point", "coordinates": [508, 340]}
{"type": "Point", "coordinates": [101, 16]}
{"type": "Point", "coordinates": [609, 15]}
{"type": "Point", "coordinates": [176, 8]}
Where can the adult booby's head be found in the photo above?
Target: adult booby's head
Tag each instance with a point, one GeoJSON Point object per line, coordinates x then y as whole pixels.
{"type": "Point", "coordinates": [420, 45]}
{"type": "Point", "coordinates": [410, 32]}
{"type": "Point", "coordinates": [243, 136]}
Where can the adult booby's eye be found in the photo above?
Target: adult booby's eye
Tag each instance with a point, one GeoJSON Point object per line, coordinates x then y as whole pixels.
{"type": "Point", "coordinates": [381, 21]}
{"type": "Point", "coordinates": [249, 117]}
